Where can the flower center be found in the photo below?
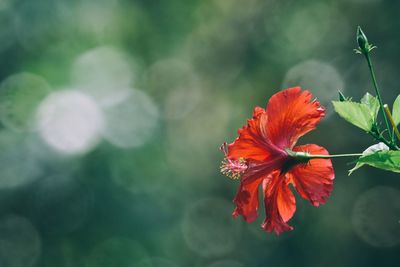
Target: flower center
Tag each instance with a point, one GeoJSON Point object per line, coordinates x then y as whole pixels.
{"type": "Point", "coordinates": [232, 168]}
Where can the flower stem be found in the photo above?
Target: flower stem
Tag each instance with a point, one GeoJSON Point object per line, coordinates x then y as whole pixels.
{"type": "Point", "coordinates": [312, 156]}
{"type": "Point", "coordinates": [371, 70]}
{"type": "Point", "coordinates": [377, 135]}
{"type": "Point", "coordinates": [306, 155]}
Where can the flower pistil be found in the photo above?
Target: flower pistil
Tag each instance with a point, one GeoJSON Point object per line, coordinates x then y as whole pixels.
{"type": "Point", "coordinates": [232, 168]}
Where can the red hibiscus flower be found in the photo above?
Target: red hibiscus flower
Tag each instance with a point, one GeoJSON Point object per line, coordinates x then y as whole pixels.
{"type": "Point", "coordinates": [264, 155]}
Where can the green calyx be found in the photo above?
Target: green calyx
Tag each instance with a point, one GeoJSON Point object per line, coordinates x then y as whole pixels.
{"type": "Point", "coordinates": [363, 45]}
{"type": "Point", "coordinates": [295, 158]}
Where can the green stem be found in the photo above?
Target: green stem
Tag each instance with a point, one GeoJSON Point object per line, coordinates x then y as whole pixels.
{"type": "Point", "coordinates": [378, 137]}
{"type": "Point", "coordinates": [307, 156]}
{"type": "Point", "coordinates": [313, 156]}
{"type": "Point", "coordinates": [371, 70]}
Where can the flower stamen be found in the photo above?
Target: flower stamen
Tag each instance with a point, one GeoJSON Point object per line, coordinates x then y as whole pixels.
{"type": "Point", "coordinates": [232, 168]}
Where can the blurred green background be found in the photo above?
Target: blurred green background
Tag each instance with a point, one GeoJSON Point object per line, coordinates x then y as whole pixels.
{"type": "Point", "coordinates": [112, 112]}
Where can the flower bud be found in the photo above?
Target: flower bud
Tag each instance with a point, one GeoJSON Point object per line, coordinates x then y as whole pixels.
{"type": "Point", "coordinates": [362, 40]}
{"type": "Point", "coordinates": [363, 46]}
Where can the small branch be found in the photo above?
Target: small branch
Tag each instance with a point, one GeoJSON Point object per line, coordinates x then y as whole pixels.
{"type": "Point", "coordinates": [389, 115]}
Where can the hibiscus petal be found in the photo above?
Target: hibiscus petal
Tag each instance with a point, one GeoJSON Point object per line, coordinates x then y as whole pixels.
{"type": "Point", "coordinates": [291, 114]}
{"type": "Point", "coordinates": [252, 142]}
{"type": "Point", "coordinates": [246, 199]}
{"type": "Point", "coordinates": [279, 202]}
{"type": "Point", "coordinates": [286, 202]}
{"type": "Point", "coordinates": [313, 180]}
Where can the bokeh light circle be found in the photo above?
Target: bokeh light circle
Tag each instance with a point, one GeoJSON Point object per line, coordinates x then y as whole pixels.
{"type": "Point", "coordinates": [61, 205]}
{"type": "Point", "coordinates": [190, 140]}
{"type": "Point", "coordinates": [226, 263]}
{"type": "Point", "coordinates": [156, 262]}
{"type": "Point", "coordinates": [321, 78]}
{"type": "Point", "coordinates": [6, 4]}
{"type": "Point", "coordinates": [19, 165]}
{"type": "Point", "coordinates": [299, 32]}
{"type": "Point", "coordinates": [20, 94]}
{"type": "Point", "coordinates": [364, 1]}
{"type": "Point", "coordinates": [36, 23]}
{"type": "Point", "coordinates": [20, 243]}
{"type": "Point", "coordinates": [209, 229]}
{"type": "Point", "coordinates": [376, 216]}
{"type": "Point", "coordinates": [7, 35]}
{"type": "Point", "coordinates": [132, 170]}
{"type": "Point", "coordinates": [98, 19]}
{"type": "Point", "coordinates": [131, 122]}
{"type": "Point", "coordinates": [116, 251]}
{"type": "Point", "coordinates": [102, 73]}
{"type": "Point", "coordinates": [70, 122]}
{"type": "Point", "coordinates": [175, 86]}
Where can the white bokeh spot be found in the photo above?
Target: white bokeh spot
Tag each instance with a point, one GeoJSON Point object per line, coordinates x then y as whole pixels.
{"type": "Point", "coordinates": [70, 122]}
{"type": "Point", "coordinates": [102, 72]}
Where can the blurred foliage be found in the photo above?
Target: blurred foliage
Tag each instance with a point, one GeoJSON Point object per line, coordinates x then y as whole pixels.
{"type": "Point", "coordinates": [112, 112]}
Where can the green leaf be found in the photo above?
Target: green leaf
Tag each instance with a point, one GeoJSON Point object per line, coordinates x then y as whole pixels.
{"type": "Point", "coordinates": [370, 150]}
{"type": "Point", "coordinates": [357, 114]}
{"type": "Point", "coordinates": [373, 104]}
{"type": "Point", "coordinates": [386, 160]}
{"type": "Point", "coordinates": [396, 110]}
